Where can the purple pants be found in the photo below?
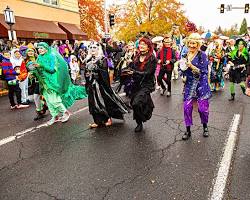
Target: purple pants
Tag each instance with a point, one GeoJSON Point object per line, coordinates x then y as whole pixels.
{"type": "Point", "coordinates": [203, 108]}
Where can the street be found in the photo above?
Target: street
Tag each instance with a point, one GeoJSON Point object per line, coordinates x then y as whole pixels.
{"type": "Point", "coordinates": [72, 162]}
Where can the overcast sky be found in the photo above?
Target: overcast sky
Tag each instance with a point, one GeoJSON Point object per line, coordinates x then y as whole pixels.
{"type": "Point", "coordinates": [205, 13]}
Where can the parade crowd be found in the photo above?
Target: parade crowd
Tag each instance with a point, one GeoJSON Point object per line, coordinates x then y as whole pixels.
{"type": "Point", "coordinates": [55, 75]}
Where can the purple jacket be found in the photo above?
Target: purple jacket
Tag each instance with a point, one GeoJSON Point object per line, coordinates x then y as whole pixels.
{"type": "Point", "coordinates": [197, 87]}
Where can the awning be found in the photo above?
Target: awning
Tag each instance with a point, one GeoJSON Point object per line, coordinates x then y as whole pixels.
{"type": "Point", "coordinates": [73, 32]}
{"type": "Point", "coordinates": [33, 29]}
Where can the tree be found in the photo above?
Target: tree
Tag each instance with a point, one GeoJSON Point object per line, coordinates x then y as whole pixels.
{"type": "Point", "coordinates": [218, 31]}
{"type": "Point", "coordinates": [243, 27]}
{"type": "Point", "coordinates": [91, 17]}
{"type": "Point", "coordinates": [155, 17]}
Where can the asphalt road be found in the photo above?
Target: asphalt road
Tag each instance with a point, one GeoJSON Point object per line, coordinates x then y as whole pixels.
{"type": "Point", "coordinates": [72, 162]}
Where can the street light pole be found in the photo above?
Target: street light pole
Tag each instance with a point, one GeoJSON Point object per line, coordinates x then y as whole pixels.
{"type": "Point", "coordinates": [11, 31]}
{"type": "Point", "coordinates": [10, 20]}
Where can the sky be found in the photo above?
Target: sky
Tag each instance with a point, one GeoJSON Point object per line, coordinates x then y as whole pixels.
{"type": "Point", "coordinates": [206, 13]}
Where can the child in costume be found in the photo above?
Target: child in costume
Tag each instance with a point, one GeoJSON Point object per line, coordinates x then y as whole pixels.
{"type": "Point", "coordinates": [55, 83]}
{"type": "Point", "coordinates": [74, 68]}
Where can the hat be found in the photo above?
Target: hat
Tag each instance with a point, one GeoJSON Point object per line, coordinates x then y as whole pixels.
{"type": "Point", "coordinates": [43, 45]}
{"type": "Point", "coordinates": [240, 40]}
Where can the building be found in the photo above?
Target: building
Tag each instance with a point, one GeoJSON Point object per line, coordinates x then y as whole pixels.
{"type": "Point", "coordinates": [43, 19]}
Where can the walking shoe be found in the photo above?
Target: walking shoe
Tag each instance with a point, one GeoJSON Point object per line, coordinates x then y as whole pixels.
{"type": "Point", "coordinates": [168, 94]}
{"type": "Point", "coordinates": [232, 97]}
{"type": "Point", "coordinates": [13, 107]}
{"type": "Point", "coordinates": [20, 106]}
{"type": "Point", "coordinates": [65, 117]}
{"type": "Point", "coordinates": [186, 136]}
{"type": "Point", "coordinates": [94, 125]}
{"type": "Point", "coordinates": [38, 116]}
{"type": "Point", "coordinates": [163, 91]}
{"type": "Point", "coordinates": [205, 132]}
{"type": "Point", "coordinates": [139, 128]}
{"type": "Point", "coordinates": [53, 120]}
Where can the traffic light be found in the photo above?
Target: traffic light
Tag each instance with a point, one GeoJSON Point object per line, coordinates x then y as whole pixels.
{"type": "Point", "coordinates": [222, 8]}
{"type": "Point", "coordinates": [111, 20]}
{"type": "Point", "coordinates": [247, 8]}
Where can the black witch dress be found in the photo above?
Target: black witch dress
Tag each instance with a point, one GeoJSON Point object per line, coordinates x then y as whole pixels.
{"type": "Point", "coordinates": [237, 74]}
{"type": "Point", "coordinates": [143, 85]}
{"type": "Point", "coordinates": [104, 103]}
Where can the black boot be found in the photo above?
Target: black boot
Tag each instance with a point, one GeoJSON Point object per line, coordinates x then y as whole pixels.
{"type": "Point", "coordinates": [205, 130]}
{"type": "Point", "coordinates": [139, 127]}
{"type": "Point", "coordinates": [243, 90]}
{"type": "Point", "coordinates": [232, 97]}
{"type": "Point", "coordinates": [187, 134]}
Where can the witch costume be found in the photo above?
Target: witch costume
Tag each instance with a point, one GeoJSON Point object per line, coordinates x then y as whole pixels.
{"type": "Point", "coordinates": [55, 83]}
{"type": "Point", "coordinates": [217, 60]}
{"type": "Point", "coordinates": [238, 60]}
{"type": "Point", "coordinates": [143, 85]}
{"type": "Point", "coordinates": [104, 103]}
{"type": "Point", "coordinates": [196, 89]}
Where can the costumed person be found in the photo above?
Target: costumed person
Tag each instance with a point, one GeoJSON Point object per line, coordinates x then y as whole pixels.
{"type": "Point", "coordinates": [55, 83]}
{"type": "Point", "coordinates": [74, 68]}
{"type": "Point", "coordinates": [39, 100]}
{"type": "Point", "coordinates": [124, 69]}
{"type": "Point", "coordinates": [144, 67]}
{"type": "Point", "coordinates": [238, 60]}
{"type": "Point", "coordinates": [196, 87]}
{"type": "Point", "coordinates": [81, 62]}
{"type": "Point", "coordinates": [175, 73]}
{"type": "Point", "coordinates": [17, 62]}
{"type": "Point", "coordinates": [176, 35]}
{"type": "Point", "coordinates": [248, 81]}
{"type": "Point", "coordinates": [217, 64]}
{"type": "Point", "coordinates": [103, 102]}
{"type": "Point", "coordinates": [109, 50]}
{"type": "Point", "coordinates": [66, 55]}
{"type": "Point", "coordinates": [167, 58]}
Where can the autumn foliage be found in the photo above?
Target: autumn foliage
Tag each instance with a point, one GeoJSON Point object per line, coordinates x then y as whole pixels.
{"type": "Point", "coordinates": [153, 16]}
{"type": "Point", "coordinates": [91, 17]}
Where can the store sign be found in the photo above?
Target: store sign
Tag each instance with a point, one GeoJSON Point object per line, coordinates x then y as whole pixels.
{"type": "Point", "coordinates": [40, 35]}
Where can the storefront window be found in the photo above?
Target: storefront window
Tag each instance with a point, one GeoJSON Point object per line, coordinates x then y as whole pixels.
{"type": "Point", "coordinates": [52, 2]}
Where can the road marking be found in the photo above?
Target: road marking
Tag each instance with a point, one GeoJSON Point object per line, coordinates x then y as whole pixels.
{"type": "Point", "coordinates": [33, 129]}
{"type": "Point", "coordinates": [221, 179]}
